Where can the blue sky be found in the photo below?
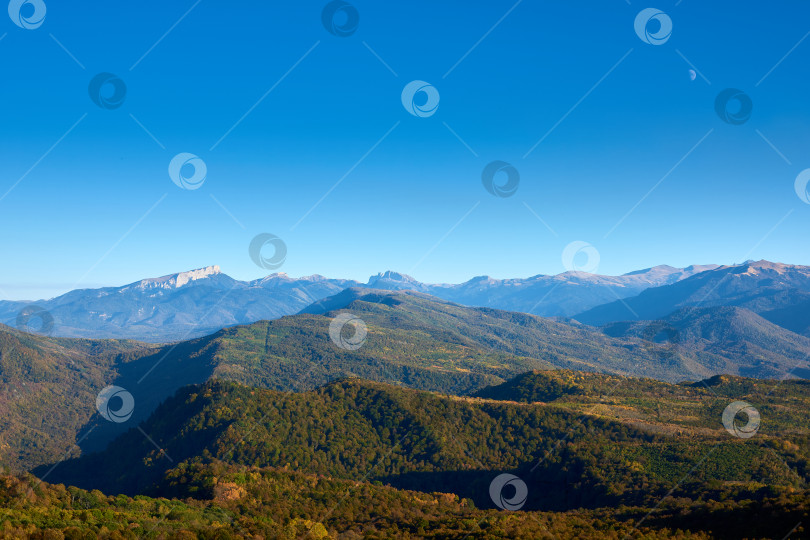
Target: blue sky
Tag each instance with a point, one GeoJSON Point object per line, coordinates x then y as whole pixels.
{"type": "Point", "coordinates": [94, 205]}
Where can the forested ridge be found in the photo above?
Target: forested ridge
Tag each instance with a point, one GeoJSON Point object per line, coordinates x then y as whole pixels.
{"type": "Point", "coordinates": [595, 442]}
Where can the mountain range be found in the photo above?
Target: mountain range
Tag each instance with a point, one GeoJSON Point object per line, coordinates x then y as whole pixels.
{"type": "Point", "coordinates": [292, 427]}
{"type": "Point", "coordinates": [413, 340]}
{"type": "Point", "coordinates": [778, 292]}
{"type": "Point", "coordinates": [200, 302]}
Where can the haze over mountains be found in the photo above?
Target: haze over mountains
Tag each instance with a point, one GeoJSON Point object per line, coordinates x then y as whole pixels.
{"type": "Point", "coordinates": [199, 302]}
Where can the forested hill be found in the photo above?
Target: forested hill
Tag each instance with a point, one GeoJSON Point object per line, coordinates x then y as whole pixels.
{"type": "Point", "coordinates": [250, 502]}
{"type": "Point", "coordinates": [617, 442]}
{"type": "Point", "coordinates": [48, 390]}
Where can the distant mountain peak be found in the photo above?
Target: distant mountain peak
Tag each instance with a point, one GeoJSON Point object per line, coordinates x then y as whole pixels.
{"type": "Point", "coordinates": [762, 263]}
{"type": "Point", "coordinates": [276, 276]}
{"type": "Point", "coordinates": [751, 267]}
{"type": "Point", "coordinates": [390, 275]}
{"type": "Point", "coordinates": [173, 281]}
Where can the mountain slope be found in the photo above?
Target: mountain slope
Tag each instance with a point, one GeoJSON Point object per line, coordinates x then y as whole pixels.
{"type": "Point", "coordinates": [48, 390]}
{"type": "Point", "coordinates": [626, 447]}
{"type": "Point", "coordinates": [789, 309]}
{"type": "Point", "coordinates": [773, 290]}
{"type": "Point", "coordinates": [727, 339]}
{"type": "Point", "coordinates": [557, 343]}
{"type": "Point", "coordinates": [413, 340]}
